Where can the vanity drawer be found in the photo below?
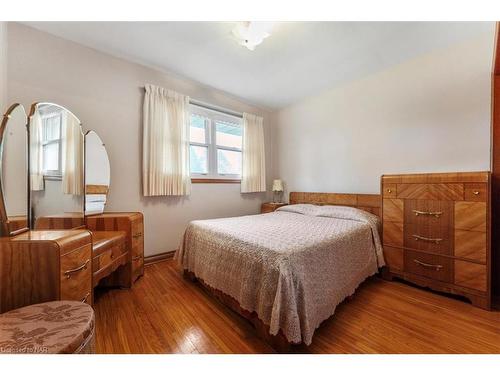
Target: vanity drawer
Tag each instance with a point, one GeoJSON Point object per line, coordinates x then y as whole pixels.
{"type": "Point", "coordinates": [432, 266]}
{"type": "Point", "coordinates": [137, 255]}
{"type": "Point", "coordinates": [108, 257]}
{"type": "Point", "coordinates": [76, 275]}
{"type": "Point", "coordinates": [476, 192]}
{"type": "Point", "coordinates": [137, 265]}
{"type": "Point", "coordinates": [137, 233]}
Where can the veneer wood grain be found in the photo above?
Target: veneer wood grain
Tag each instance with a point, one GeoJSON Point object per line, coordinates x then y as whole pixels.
{"type": "Point", "coordinates": [470, 275]}
{"type": "Point", "coordinates": [393, 234]}
{"type": "Point", "coordinates": [367, 202]}
{"type": "Point", "coordinates": [471, 216]}
{"type": "Point", "coordinates": [33, 266]}
{"type": "Point", "coordinates": [394, 257]}
{"type": "Point", "coordinates": [450, 192]}
{"type": "Point", "coordinates": [393, 210]}
{"type": "Point", "coordinates": [446, 232]}
{"type": "Point", "coordinates": [471, 245]}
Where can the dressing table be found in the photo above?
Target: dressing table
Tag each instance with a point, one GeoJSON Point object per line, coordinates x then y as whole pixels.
{"type": "Point", "coordinates": [56, 240]}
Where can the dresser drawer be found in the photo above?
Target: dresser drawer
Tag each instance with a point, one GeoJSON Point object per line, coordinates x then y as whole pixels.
{"type": "Point", "coordinates": [476, 192]}
{"type": "Point", "coordinates": [432, 266]}
{"type": "Point", "coordinates": [428, 213]}
{"type": "Point", "coordinates": [448, 192]}
{"type": "Point", "coordinates": [76, 275]}
{"type": "Point", "coordinates": [436, 239]}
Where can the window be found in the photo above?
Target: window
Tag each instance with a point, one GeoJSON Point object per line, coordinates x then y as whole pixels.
{"type": "Point", "coordinates": [215, 144]}
{"type": "Point", "coordinates": [51, 143]}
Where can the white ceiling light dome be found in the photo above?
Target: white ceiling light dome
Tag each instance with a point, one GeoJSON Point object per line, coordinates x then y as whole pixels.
{"type": "Point", "coordinates": [250, 33]}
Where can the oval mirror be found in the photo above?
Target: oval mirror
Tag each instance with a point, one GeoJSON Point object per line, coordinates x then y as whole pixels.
{"type": "Point", "coordinates": [56, 167]}
{"type": "Point", "coordinates": [97, 174]}
{"type": "Point", "coordinates": [14, 176]}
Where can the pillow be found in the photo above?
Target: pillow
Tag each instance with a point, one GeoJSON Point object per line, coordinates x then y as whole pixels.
{"type": "Point", "coordinates": [304, 209]}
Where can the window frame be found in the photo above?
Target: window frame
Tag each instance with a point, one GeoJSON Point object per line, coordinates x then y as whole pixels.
{"type": "Point", "coordinates": [211, 119]}
{"type": "Point", "coordinates": [57, 173]}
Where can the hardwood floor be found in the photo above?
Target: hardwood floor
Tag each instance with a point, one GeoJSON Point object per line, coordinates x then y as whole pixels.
{"type": "Point", "coordinates": [164, 313]}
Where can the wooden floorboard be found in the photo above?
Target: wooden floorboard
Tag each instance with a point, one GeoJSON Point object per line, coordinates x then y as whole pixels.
{"type": "Point", "coordinates": [164, 313]}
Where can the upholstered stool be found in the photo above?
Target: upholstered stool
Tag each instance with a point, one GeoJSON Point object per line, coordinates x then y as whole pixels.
{"type": "Point", "coordinates": [51, 327]}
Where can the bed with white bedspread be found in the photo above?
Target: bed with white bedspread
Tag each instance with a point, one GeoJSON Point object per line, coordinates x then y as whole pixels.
{"type": "Point", "coordinates": [292, 267]}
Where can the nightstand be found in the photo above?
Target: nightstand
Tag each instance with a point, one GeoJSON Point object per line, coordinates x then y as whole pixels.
{"type": "Point", "coordinates": [270, 207]}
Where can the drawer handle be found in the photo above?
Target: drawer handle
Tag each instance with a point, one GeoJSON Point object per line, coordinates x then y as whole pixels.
{"type": "Point", "coordinates": [137, 235]}
{"type": "Point", "coordinates": [420, 238]}
{"type": "Point", "coordinates": [437, 267]}
{"type": "Point", "coordinates": [68, 273]}
{"type": "Point", "coordinates": [475, 192]}
{"type": "Point", "coordinates": [86, 297]}
{"type": "Point", "coordinates": [389, 190]}
{"type": "Point", "coordinates": [138, 257]}
{"type": "Point", "coordinates": [428, 213]}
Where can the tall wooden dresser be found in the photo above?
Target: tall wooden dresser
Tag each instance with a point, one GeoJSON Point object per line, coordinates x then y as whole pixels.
{"type": "Point", "coordinates": [436, 232]}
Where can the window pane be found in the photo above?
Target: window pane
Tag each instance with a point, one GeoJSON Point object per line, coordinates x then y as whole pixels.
{"type": "Point", "coordinates": [51, 157]}
{"type": "Point", "coordinates": [51, 128]}
{"type": "Point", "coordinates": [198, 159]}
{"type": "Point", "coordinates": [197, 129]}
{"type": "Point", "coordinates": [229, 134]}
{"type": "Point", "coordinates": [228, 162]}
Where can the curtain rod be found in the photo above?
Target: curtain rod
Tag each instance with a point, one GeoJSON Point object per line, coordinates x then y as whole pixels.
{"type": "Point", "coordinates": [215, 108]}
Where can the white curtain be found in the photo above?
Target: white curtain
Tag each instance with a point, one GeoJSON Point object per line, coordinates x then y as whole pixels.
{"type": "Point", "coordinates": [253, 177]}
{"type": "Point", "coordinates": [72, 155]}
{"type": "Point", "coordinates": [165, 162]}
{"type": "Point", "coordinates": [36, 152]}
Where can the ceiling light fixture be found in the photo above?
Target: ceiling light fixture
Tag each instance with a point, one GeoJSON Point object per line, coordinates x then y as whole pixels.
{"type": "Point", "coordinates": [251, 34]}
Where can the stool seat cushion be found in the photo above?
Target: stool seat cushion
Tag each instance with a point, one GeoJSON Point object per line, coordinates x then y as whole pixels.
{"type": "Point", "coordinates": [51, 327]}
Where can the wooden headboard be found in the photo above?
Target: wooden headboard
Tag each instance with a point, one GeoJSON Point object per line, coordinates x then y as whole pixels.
{"type": "Point", "coordinates": [366, 202]}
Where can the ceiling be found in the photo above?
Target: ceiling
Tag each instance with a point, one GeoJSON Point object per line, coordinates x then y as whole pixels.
{"type": "Point", "coordinates": [299, 59]}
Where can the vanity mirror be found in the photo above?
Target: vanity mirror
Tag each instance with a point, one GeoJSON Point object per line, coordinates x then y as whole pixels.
{"type": "Point", "coordinates": [13, 167]}
{"type": "Point", "coordinates": [97, 174]}
{"type": "Point", "coordinates": [57, 178]}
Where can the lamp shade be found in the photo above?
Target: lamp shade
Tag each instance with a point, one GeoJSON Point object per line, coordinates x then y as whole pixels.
{"type": "Point", "coordinates": [277, 185]}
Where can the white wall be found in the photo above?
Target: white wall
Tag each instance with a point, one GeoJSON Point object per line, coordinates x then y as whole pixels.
{"type": "Point", "coordinates": [429, 114]}
{"type": "Point", "coordinates": [3, 67]}
{"type": "Point", "coordinates": [106, 94]}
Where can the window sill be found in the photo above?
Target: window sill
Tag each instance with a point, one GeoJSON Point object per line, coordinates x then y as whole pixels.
{"type": "Point", "coordinates": [215, 181]}
{"type": "Point", "coordinates": [52, 177]}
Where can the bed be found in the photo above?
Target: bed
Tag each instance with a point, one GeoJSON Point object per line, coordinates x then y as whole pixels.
{"type": "Point", "coordinates": [288, 270]}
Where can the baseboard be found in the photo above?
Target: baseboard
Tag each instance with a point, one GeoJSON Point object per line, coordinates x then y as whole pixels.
{"type": "Point", "coordinates": [151, 259]}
